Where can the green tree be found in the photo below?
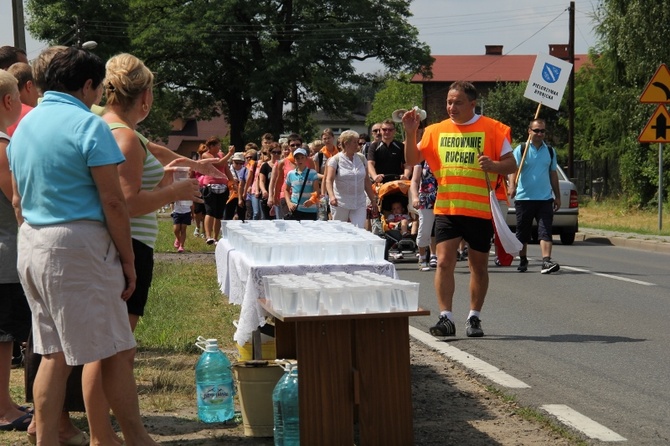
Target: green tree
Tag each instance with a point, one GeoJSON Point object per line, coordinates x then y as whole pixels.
{"type": "Point", "coordinates": [73, 22]}
{"type": "Point", "coordinates": [506, 103]}
{"type": "Point", "coordinates": [394, 94]}
{"type": "Point", "coordinates": [291, 57]}
{"type": "Point", "coordinates": [608, 115]}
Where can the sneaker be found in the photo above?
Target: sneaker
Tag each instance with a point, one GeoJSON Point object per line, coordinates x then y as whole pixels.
{"type": "Point", "coordinates": [210, 241]}
{"type": "Point", "coordinates": [496, 261]}
{"type": "Point", "coordinates": [444, 327]}
{"type": "Point", "coordinates": [433, 261]}
{"type": "Point", "coordinates": [473, 327]}
{"type": "Point", "coordinates": [549, 267]}
{"type": "Point", "coordinates": [398, 255]}
{"type": "Point", "coordinates": [196, 233]}
{"type": "Point", "coordinates": [423, 266]}
{"type": "Point", "coordinates": [523, 266]}
{"type": "Point", "coordinates": [176, 243]}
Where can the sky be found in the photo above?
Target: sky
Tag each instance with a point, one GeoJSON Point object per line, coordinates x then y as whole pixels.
{"type": "Point", "coordinates": [460, 26]}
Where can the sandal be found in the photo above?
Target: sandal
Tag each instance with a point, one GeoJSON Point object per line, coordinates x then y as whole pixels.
{"type": "Point", "coordinates": [26, 409]}
{"type": "Point", "coordinates": [20, 424]}
{"type": "Point", "coordinates": [80, 439]}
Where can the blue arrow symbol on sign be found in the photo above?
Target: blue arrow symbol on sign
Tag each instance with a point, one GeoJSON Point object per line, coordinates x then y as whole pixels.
{"type": "Point", "coordinates": [550, 73]}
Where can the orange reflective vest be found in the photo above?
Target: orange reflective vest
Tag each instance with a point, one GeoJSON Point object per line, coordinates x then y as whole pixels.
{"type": "Point", "coordinates": [452, 152]}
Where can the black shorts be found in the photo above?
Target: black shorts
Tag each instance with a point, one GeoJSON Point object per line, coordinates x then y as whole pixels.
{"type": "Point", "coordinates": [529, 210]}
{"type": "Point", "coordinates": [181, 219]}
{"type": "Point", "coordinates": [144, 268]}
{"type": "Point", "coordinates": [477, 232]}
{"type": "Point", "coordinates": [199, 208]}
{"type": "Point", "coordinates": [15, 317]}
{"type": "Point", "coordinates": [215, 204]}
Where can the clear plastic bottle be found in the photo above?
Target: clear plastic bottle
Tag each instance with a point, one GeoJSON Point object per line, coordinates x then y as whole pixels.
{"type": "Point", "coordinates": [214, 384]}
{"type": "Point", "coordinates": [322, 211]}
{"type": "Point", "coordinates": [278, 428]}
{"type": "Point", "coordinates": [290, 407]}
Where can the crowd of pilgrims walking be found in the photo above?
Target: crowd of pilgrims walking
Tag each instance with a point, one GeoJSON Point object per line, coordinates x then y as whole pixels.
{"type": "Point", "coordinates": [328, 178]}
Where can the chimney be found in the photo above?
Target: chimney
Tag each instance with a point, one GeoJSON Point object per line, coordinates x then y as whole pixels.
{"type": "Point", "coordinates": [494, 50]}
{"type": "Point", "coordinates": [559, 50]}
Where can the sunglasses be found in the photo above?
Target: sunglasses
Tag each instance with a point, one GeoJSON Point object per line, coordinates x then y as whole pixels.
{"type": "Point", "coordinates": [376, 130]}
{"type": "Point", "coordinates": [387, 130]}
{"type": "Point", "coordinates": [361, 143]}
{"type": "Point", "coordinates": [276, 153]}
{"type": "Point", "coordinates": [295, 145]}
{"type": "Point", "coordinates": [238, 162]}
{"type": "Point", "coordinates": [538, 130]}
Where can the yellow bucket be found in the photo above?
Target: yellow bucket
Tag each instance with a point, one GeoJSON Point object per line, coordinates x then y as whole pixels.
{"type": "Point", "coordinates": [256, 381]}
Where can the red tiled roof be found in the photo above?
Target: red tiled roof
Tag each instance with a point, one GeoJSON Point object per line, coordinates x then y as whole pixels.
{"type": "Point", "coordinates": [485, 68]}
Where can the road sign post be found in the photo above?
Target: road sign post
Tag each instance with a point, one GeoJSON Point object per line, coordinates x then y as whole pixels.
{"type": "Point", "coordinates": [657, 129]}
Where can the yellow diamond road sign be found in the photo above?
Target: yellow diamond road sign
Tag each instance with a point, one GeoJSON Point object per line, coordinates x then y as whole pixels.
{"type": "Point", "coordinates": [658, 127]}
{"type": "Point", "coordinates": [657, 90]}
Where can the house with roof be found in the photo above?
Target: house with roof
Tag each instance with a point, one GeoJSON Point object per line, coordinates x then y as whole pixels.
{"type": "Point", "coordinates": [484, 71]}
{"type": "Point", "coordinates": [188, 133]}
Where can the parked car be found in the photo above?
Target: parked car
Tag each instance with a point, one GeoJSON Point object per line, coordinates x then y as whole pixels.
{"type": "Point", "coordinates": [566, 219]}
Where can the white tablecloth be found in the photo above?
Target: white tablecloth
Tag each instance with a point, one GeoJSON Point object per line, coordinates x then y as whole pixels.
{"type": "Point", "coordinates": [242, 282]}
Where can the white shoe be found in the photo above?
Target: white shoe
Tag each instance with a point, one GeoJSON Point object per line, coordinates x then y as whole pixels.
{"type": "Point", "coordinates": [196, 233]}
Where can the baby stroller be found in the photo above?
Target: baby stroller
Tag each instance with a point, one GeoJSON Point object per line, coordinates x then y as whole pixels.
{"type": "Point", "coordinates": [397, 246]}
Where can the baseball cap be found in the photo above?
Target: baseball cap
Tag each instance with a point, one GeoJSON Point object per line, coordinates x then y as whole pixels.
{"type": "Point", "coordinates": [300, 151]}
{"type": "Point", "coordinates": [238, 156]}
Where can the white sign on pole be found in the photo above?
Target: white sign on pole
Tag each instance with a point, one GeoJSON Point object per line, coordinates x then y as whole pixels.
{"type": "Point", "coordinates": [547, 81]}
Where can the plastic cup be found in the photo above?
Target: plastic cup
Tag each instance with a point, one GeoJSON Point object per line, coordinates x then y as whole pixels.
{"type": "Point", "coordinates": [181, 174]}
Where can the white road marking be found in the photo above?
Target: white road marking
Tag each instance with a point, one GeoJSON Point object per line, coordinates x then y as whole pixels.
{"type": "Point", "coordinates": [582, 423]}
{"type": "Point", "coordinates": [475, 364]}
{"type": "Point", "coordinates": [564, 413]}
{"type": "Point", "coordinates": [609, 276]}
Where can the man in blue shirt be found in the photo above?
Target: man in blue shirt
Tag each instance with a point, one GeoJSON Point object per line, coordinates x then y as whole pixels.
{"type": "Point", "coordinates": [532, 191]}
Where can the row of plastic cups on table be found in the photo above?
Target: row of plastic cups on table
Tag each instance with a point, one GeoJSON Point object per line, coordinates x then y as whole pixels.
{"type": "Point", "coordinates": [329, 226]}
{"type": "Point", "coordinates": [300, 247]}
{"type": "Point", "coordinates": [339, 293]}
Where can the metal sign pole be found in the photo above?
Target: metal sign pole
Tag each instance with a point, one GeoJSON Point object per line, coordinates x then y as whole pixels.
{"type": "Point", "coordinates": [660, 186]}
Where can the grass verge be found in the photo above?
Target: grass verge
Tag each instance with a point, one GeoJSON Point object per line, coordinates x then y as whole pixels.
{"type": "Point", "coordinates": [615, 215]}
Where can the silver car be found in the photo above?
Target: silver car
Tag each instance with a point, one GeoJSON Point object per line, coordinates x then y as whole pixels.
{"type": "Point", "coordinates": [566, 219]}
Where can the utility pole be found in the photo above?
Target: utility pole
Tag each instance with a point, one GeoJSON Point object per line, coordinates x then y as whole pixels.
{"type": "Point", "coordinates": [571, 94]}
{"type": "Point", "coordinates": [18, 24]}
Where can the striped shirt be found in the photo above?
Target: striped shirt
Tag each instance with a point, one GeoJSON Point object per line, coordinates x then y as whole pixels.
{"type": "Point", "coordinates": [144, 228]}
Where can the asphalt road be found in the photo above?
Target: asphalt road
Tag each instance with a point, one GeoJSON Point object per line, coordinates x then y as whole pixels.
{"type": "Point", "coordinates": [593, 336]}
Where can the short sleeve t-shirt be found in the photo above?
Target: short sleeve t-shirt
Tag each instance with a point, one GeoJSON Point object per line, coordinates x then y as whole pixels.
{"type": "Point", "coordinates": [388, 159]}
{"type": "Point", "coordinates": [534, 182]}
{"type": "Point", "coordinates": [51, 156]}
{"type": "Point", "coordinates": [295, 180]}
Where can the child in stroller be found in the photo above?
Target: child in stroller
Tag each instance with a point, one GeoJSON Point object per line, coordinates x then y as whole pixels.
{"type": "Point", "coordinates": [398, 218]}
{"type": "Point", "coordinates": [397, 224]}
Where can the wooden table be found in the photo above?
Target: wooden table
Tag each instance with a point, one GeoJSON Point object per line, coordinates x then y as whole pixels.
{"type": "Point", "coordinates": [348, 362]}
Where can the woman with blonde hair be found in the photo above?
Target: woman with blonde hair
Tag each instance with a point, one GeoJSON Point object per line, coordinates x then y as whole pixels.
{"type": "Point", "coordinates": [129, 88]}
